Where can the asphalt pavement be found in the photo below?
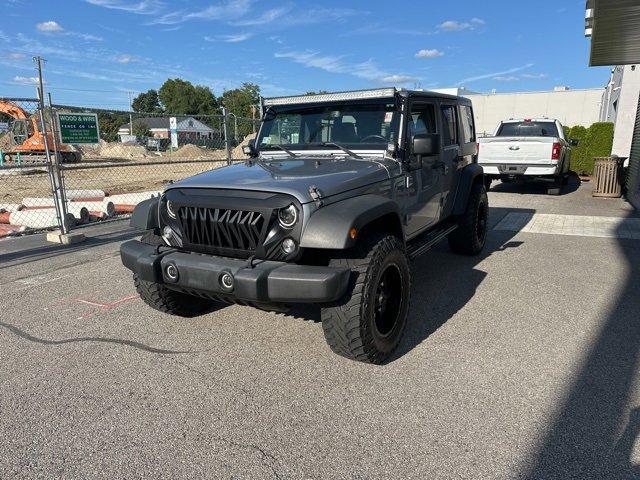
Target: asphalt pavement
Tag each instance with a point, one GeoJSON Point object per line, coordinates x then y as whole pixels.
{"type": "Point", "coordinates": [520, 363]}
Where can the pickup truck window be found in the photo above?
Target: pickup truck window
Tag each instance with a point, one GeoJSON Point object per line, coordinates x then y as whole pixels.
{"type": "Point", "coordinates": [450, 136]}
{"type": "Point", "coordinates": [528, 129]}
{"type": "Point", "coordinates": [370, 126]}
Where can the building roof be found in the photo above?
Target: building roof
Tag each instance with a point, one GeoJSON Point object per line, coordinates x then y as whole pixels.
{"type": "Point", "coordinates": [162, 123]}
{"type": "Point", "coordinates": [614, 28]}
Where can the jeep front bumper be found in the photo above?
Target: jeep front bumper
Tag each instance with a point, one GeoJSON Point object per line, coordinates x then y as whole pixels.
{"type": "Point", "coordinates": [264, 282]}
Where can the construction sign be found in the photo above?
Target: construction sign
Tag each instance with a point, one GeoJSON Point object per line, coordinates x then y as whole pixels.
{"type": "Point", "coordinates": [78, 128]}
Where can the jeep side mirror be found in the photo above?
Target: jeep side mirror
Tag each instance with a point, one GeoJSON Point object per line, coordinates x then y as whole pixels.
{"type": "Point", "coordinates": [250, 148]}
{"type": "Point", "coordinates": [425, 144]}
{"type": "Point", "coordinates": [574, 142]}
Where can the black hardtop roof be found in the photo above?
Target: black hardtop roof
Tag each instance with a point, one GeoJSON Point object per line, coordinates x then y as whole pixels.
{"type": "Point", "coordinates": [359, 95]}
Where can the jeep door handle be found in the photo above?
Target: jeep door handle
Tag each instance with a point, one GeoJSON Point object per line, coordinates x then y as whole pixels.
{"type": "Point", "coordinates": [441, 165]}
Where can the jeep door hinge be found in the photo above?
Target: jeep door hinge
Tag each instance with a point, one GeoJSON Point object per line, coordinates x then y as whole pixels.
{"type": "Point", "coordinates": [316, 195]}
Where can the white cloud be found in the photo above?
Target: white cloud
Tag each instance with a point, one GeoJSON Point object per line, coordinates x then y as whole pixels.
{"type": "Point", "coordinates": [49, 26]}
{"type": "Point", "coordinates": [16, 56]}
{"type": "Point", "coordinates": [426, 53]}
{"type": "Point", "coordinates": [26, 80]}
{"type": "Point", "coordinates": [227, 10]}
{"type": "Point", "coordinates": [145, 7]}
{"type": "Point", "coordinates": [534, 75]}
{"type": "Point", "coordinates": [494, 74]}
{"type": "Point", "coordinates": [267, 17]}
{"type": "Point", "coordinates": [55, 28]}
{"type": "Point", "coordinates": [509, 78]}
{"type": "Point", "coordinates": [367, 70]}
{"type": "Point", "coordinates": [125, 58]}
{"type": "Point", "coordinates": [456, 26]}
{"type": "Point", "coordinates": [233, 38]}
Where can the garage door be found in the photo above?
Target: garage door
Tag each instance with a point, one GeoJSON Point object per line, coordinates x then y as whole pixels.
{"type": "Point", "coordinates": [633, 178]}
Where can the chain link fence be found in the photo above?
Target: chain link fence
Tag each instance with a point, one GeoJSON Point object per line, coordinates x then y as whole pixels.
{"type": "Point", "coordinates": [137, 156]}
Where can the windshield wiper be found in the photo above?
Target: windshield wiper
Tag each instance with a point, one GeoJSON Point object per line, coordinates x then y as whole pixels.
{"type": "Point", "coordinates": [345, 150]}
{"type": "Point", "coordinates": [286, 150]}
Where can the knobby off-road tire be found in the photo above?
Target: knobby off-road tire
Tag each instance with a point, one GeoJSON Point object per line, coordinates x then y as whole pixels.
{"type": "Point", "coordinates": [163, 299]}
{"type": "Point", "coordinates": [368, 324]}
{"type": "Point", "coordinates": [471, 235]}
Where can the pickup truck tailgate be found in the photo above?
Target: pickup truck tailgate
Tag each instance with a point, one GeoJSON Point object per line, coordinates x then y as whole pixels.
{"type": "Point", "coordinates": [516, 150]}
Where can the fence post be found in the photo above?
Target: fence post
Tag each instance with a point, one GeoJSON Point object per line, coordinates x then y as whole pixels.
{"type": "Point", "coordinates": [55, 186]}
{"type": "Point", "coordinates": [227, 142]}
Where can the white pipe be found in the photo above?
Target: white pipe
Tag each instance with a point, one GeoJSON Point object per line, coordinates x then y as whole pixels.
{"type": "Point", "coordinates": [71, 194]}
{"type": "Point", "coordinates": [132, 198]}
{"type": "Point", "coordinates": [41, 218]}
{"type": "Point", "coordinates": [11, 207]}
{"type": "Point", "coordinates": [105, 207]}
{"type": "Point", "coordinates": [38, 202]}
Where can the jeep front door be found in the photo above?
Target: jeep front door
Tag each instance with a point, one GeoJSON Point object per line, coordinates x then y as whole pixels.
{"type": "Point", "coordinates": [423, 184]}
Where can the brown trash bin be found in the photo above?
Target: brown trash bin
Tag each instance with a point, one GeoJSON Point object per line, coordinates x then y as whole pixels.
{"type": "Point", "coordinates": [606, 178]}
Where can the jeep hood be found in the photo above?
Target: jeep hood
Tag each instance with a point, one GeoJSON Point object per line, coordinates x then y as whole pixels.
{"type": "Point", "coordinates": [295, 176]}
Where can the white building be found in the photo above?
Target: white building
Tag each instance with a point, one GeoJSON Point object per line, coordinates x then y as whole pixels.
{"type": "Point", "coordinates": [620, 106]}
{"type": "Point", "coordinates": [571, 107]}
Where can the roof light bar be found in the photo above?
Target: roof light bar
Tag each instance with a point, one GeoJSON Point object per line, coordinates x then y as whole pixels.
{"type": "Point", "coordinates": [331, 97]}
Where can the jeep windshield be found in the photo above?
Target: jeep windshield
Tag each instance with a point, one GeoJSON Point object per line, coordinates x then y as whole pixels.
{"type": "Point", "coordinates": [354, 126]}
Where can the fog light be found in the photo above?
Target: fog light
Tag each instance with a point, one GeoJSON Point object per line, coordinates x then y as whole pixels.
{"type": "Point", "coordinates": [172, 272]}
{"type": "Point", "coordinates": [226, 281]}
{"type": "Point", "coordinates": [288, 246]}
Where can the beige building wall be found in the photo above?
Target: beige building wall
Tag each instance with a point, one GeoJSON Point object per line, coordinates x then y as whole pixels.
{"type": "Point", "coordinates": [571, 107]}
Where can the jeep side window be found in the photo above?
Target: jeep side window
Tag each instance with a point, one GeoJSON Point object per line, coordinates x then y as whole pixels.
{"type": "Point", "coordinates": [466, 120]}
{"type": "Point", "coordinates": [450, 127]}
{"type": "Point", "coordinates": [422, 119]}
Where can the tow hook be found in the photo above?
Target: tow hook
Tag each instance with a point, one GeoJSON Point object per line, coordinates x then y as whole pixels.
{"type": "Point", "coordinates": [316, 195]}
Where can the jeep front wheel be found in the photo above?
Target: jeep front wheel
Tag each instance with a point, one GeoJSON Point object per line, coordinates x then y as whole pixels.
{"type": "Point", "coordinates": [368, 324]}
{"type": "Point", "coordinates": [164, 299]}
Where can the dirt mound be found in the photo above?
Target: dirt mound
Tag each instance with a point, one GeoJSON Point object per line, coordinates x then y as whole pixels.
{"type": "Point", "coordinates": [123, 150]}
{"type": "Point", "coordinates": [237, 152]}
{"type": "Point", "coordinates": [190, 151]}
{"type": "Point", "coordinates": [5, 141]}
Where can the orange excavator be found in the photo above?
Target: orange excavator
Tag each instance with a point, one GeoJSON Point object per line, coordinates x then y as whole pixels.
{"type": "Point", "coordinates": [25, 138]}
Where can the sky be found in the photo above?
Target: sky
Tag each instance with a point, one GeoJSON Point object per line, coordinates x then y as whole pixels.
{"type": "Point", "coordinates": [97, 51]}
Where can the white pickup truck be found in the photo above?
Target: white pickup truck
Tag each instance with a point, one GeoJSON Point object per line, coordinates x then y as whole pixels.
{"type": "Point", "coordinates": [530, 148]}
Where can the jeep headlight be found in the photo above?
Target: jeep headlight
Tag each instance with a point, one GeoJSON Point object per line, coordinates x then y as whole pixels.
{"type": "Point", "coordinates": [171, 209]}
{"type": "Point", "coordinates": [288, 216]}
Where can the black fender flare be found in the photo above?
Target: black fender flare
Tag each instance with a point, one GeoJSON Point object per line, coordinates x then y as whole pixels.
{"type": "Point", "coordinates": [468, 177]}
{"type": "Point", "coordinates": [329, 226]}
{"type": "Point", "coordinates": [145, 215]}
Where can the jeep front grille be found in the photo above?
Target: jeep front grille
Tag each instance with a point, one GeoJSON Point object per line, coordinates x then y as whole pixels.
{"type": "Point", "coordinates": [217, 228]}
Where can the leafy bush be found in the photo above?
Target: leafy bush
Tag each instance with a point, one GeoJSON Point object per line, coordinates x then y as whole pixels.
{"type": "Point", "coordinates": [595, 141]}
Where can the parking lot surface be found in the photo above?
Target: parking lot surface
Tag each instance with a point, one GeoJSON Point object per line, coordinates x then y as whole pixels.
{"type": "Point", "coordinates": [520, 363]}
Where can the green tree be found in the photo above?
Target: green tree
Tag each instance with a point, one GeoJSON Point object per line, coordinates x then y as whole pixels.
{"type": "Point", "coordinates": [147, 102]}
{"type": "Point", "coordinates": [182, 97]}
{"type": "Point", "coordinates": [110, 123]}
{"type": "Point", "coordinates": [239, 100]}
{"type": "Point", "coordinates": [319, 92]}
{"type": "Point", "coordinates": [141, 129]}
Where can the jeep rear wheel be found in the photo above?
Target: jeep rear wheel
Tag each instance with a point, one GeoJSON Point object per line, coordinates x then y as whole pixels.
{"type": "Point", "coordinates": [368, 325]}
{"type": "Point", "coordinates": [471, 235]}
{"type": "Point", "coordinates": [164, 299]}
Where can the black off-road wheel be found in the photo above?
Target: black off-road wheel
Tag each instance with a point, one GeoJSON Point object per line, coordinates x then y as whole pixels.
{"type": "Point", "coordinates": [471, 235]}
{"type": "Point", "coordinates": [164, 299]}
{"type": "Point", "coordinates": [368, 324]}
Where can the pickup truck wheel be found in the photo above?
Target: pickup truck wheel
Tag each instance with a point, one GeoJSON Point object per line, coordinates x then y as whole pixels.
{"type": "Point", "coordinates": [368, 324]}
{"type": "Point", "coordinates": [470, 236]}
{"type": "Point", "coordinates": [163, 299]}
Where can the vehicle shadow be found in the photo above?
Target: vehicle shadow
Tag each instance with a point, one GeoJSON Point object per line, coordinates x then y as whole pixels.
{"type": "Point", "coordinates": [443, 283]}
{"type": "Point", "coordinates": [536, 187]}
{"type": "Point", "coordinates": [593, 435]}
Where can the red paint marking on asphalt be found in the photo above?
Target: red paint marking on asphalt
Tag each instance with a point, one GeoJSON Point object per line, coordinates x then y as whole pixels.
{"type": "Point", "coordinates": [104, 307]}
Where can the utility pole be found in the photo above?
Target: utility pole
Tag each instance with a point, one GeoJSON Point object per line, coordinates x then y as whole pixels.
{"type": "Point", "coordinates": [55, 187]}
{"type": "Point", "coordinates": [130, 115]}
